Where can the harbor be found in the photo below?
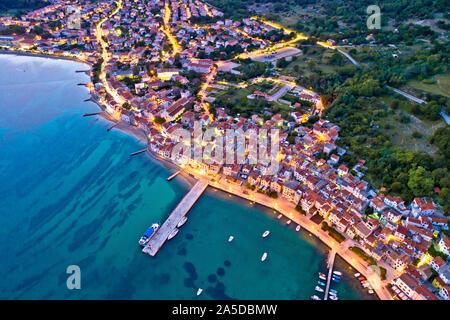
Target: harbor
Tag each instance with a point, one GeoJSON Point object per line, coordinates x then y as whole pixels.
{"type": "Point", "coordinates": [157, 241]}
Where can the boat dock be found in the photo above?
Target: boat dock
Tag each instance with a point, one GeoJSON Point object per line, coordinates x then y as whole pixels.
{"type": "Point", "coordinates": [91, 114]}
{"type": "Point", "coordinates": [157, 241]}
{"type": "Point", "coordinates": [137, 152]}
{"type": "Point", "coordinates": [330, 263]}
{"type": "Point", "coordinates": [114, 125]}
{"type": "Point", "coordinates": [173, 176]}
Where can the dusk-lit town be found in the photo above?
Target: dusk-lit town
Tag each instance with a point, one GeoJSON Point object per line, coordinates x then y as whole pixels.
{"type": "Point", "coordinates": [164, 71]}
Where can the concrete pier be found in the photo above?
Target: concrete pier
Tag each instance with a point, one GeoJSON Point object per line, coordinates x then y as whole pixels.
{"type": "Point", "coordinates": [330, 263]}
{"type": "Point", "coordinates": [173, 176]}
{"type": "Point", "coordinates": [157, 241]}
{"type": "Point", "coordinates": [137, 152]}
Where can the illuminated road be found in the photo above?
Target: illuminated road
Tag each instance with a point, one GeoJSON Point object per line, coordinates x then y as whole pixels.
{"type": "Point", "coordinates": [105, 55]}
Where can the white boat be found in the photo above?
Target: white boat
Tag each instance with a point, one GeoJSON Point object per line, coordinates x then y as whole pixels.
{"type": "Point", "coordinates": [266, 233]}
{"type": "Point", "coordinates": [323, 278]}
{"type": "Point", "coordinates": [297, 229]}
{"type": "Point", "coordinates": [279, 216]}
{"type": "Point", "coordinates": [288, 222]}
{"type": "Point", "coordinates": [199, 291]}
{"type": "Point", "coordinates": [182, 221]}
{"type": "Point", "coordinates": [319, 289]}
{"type": "Point", "coordinates": [371, 291]}
{"type": "Point", "coordinates": [334, 298]}
{"type": "Point", "coordinates": [338, 273]}
{"type": "Point", "coordinates": [230, 238]}
{"type": "Point", "coordinates": [357, 274]}
{"type": "Point", "coordinates": [315, 297]}
{"type": "Point", "coordinates": [264, 256]}
{"type": "Point", "coordinates": [172, 234]}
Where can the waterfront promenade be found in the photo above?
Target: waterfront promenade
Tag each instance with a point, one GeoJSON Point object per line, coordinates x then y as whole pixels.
{"type": "Point", "coordinates": [157, 241]}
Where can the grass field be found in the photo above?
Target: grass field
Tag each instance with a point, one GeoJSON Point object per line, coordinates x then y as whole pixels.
{"type": "Point", "coordinates": [441, 85]}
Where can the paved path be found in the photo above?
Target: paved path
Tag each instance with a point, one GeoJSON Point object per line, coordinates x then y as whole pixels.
{"type": "Point", "coordinates": [349, 57]}
{"type": "Point", "coordinates": [408, 96]}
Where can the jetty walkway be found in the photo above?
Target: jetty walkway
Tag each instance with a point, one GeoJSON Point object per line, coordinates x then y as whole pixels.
{"type": "Point", "coordinates": [157, 241]}
{"type": "Point", "coordinates": [331, 258]}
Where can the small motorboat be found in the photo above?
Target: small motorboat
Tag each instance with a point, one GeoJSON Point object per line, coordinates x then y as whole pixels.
{"type": "Point", "coordinates": [371, 291]}
{"type": "Point", "coordinates": [182, 221]}
{"type": "Point", "coordinates": [322, 274]}
{"type": "Point", "coordinates": [288, 222]}
{"type": "Point", "coordinates": [230, 238]}
{"type": "Point", "coordinates": [199, 291]}
{"type": "Point", "coordinates": [264, 256]}
{"type": "Point", "coordinates": [319, 289]}
{"type": "Point", "coordinates": [266, 233]}
{"type": "Point", "coordinates": [336, 277]}
{"type": "Point", "coordinates": [337, 273]}
{"type": "Point", "coordinates": [333, 291]}
{"type": "Point", "coordinates": [333, 297]}
{"type": "Point", "coordinates": [321, 283]}
{"type": "Point", "coordinates": [336, 280]}
{"type": "Point", "coordinates": [297, 228]}
{"type": "Point", "coordinates": [172, 234]}
{"type": "Point", "coordinates": [322, 278]}
{"type": "Point", "coordinates": [357, 274]}
{"type": "Point", "coordinates": [279, 216]}
{"type": "Point", "coordinates": [361, 278]}
{"type": "Point", "coordinates": [315, 297]}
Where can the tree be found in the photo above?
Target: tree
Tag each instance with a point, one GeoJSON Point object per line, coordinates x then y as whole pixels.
{"type": "Point", "coordinates": [159, 120]}
{"type": "Point", "coordinates": [420, 182]}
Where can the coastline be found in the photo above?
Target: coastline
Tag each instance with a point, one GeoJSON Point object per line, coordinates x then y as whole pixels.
{"type": "Point", "coordinates": [128, 129]}
{"type": "Point", "coordinates": [43, 55]}
{"type": "Point", "coordinates": [269, 203]}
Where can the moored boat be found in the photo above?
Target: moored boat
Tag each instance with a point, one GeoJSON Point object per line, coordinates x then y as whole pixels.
{"type": "Point", "coordinates": [333, 297]}
{"type": "Point", "coordinates": [319, 289]}
{"type": "Point", "coordinates": [337, 273]}
{"type": "Point", "coordinates": [333, 291]}
{"type": "Point", "coordinates": [149, 233]}
{"type": "Point", "coordinates": [172, 234]}
{"type": "Point", "coordinates": [357, 274]}
{"type": "Point", "coordinates": [288, 222]}
{"type": "Point", "coordinates": [279, 216]}
{"type": "Point", "coordinates": [315, 297]}
{"type": "Point", "coordinates": [266, 233]}
{"type": "Point", "coordinates": [322, 274]}
{"type": "Point", "coordinates": [181, 222]}
{"type": "Point", "coordinates": [297, 228]}
{"type": "Point", "coordinates": [371, 291]}
{"type": "Point", "coordinates": [321, 283]}
{"type": "Point", "coordinates": [264, 256]}
{"type": "Point", "coordinates": [322, 278]}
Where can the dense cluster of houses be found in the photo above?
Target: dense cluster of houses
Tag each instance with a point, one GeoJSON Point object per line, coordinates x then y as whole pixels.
{"type": "Point", "coordinates": [386, 228]}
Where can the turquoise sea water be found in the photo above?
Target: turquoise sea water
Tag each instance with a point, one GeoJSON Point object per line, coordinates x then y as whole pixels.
{"type": "Point", "coordinates": [71, 195]}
